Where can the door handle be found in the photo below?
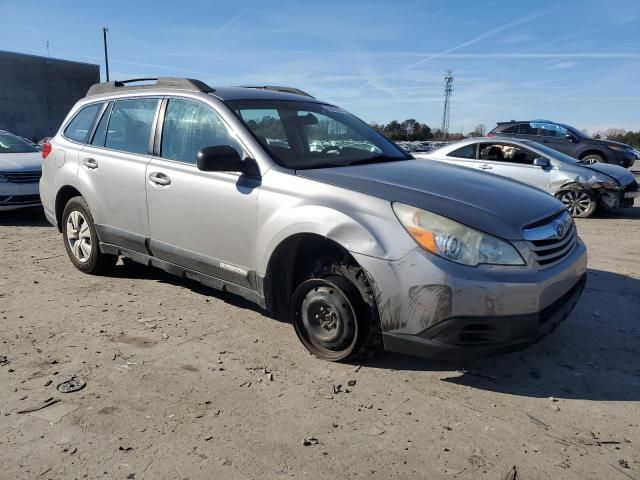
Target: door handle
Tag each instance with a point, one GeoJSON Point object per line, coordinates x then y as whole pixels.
{"type": "Point", "coordinates": [160, 179]}
{"type": "Point", "coordinates": [485, 166]}
{"type": "Point", "coordinates": [90, 163]}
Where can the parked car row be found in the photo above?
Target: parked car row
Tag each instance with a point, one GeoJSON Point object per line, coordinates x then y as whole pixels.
{"type": "Point", "coordinates": [302, 208]}
{"type": "Point", "coordinates": [581, 186]}
{"type": "Point", "coordinates": [20, 170]}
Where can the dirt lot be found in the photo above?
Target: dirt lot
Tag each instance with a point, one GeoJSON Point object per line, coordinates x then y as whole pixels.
{"type": "Point", "coordinates": [183, 382]}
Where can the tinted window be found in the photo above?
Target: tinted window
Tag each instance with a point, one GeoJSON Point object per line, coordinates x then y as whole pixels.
{"type": "Point", "coordinates": [12, 144]}
{"type": "Point", "coordinates": [130, 125]}
{"type": "Point", "coordinates": [511, 130]}
{"type": "Point", "coordinates": [190, 126]}
{"type": "Point", "coordinates": [506, 153]}
{"type": "Point", "coordinates": [553, 131]}
{"type": "Point", "coordinates": [79, 128]}
{"type": "Point", "coordinates": [468, 151]}
{"type": "Point", "coordinates": [101, 130]}
{"type": "Point", "coordinates": [526, 129]}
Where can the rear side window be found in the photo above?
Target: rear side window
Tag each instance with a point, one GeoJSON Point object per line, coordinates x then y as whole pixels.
{"type": "Point", "coordinates": [468, 151]}
{"type": "Point", "coordinates": [130, 125]}
{"type": "Point", "coordinates": [511, 130]}
{"type": "Point", "coordinates": [526, 129]}
{"type": "Point", "coordinates": [190, 126]}
{"type": "Point", "coordinates": [101, 130]}
{"type": "Point", "coordinates": [79, 128]}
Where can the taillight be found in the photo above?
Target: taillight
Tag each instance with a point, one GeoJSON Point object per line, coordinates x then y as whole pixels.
{"type": "Point", "coordinates": [46, 148]}
{"type": "Point", "coordinates": [491, 134]}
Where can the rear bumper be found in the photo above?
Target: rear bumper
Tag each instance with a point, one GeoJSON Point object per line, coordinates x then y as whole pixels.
{"type": "Point", "coordinates": [466, 338]}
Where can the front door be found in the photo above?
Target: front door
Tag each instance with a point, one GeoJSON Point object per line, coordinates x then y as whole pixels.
{"type": "Point", "coordinates": [204, 221]}
{"type": "Point", "coordinates": [514, 162]}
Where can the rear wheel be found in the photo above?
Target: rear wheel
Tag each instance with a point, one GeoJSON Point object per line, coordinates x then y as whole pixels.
{"type": "Point", "coordinates": [579, 202]}
{"type": "Point", "coordinates": [81, 240]}
{"type": "Point", "coordinates": [593, 158]}
{"type": "Point", "coordinates": [334, 313]}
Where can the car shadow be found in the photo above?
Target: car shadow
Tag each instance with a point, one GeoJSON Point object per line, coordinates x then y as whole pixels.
{"type": "Point", "coordinates": [132, 270]}
{"type": "Point", "coordinates": [24, 217]}
{"type": "Point", "coordinates": [593, 355]}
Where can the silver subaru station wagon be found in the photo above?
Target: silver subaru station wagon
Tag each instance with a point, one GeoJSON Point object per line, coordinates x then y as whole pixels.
{"type": "Point", "coordinates": [302, 208]}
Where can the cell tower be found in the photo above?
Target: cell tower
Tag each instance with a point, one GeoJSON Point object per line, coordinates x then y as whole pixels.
{"type": "Point", "coordinates": [448, 91]}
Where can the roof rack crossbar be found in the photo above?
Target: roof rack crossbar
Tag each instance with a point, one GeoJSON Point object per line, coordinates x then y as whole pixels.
{"type": "Point", "coordinates": [167, 82]}
{"type": "Point", "coordinates": [277, 88]}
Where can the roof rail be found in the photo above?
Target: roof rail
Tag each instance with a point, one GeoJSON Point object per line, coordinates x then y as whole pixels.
{"type": "Point", "coordinates": [167, 82]}
{"type": "Point", "coordinates": [276, 88]}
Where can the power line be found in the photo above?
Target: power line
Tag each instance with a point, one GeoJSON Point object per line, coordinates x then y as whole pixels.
{"type": "Point", "coordinates": [448, 91]}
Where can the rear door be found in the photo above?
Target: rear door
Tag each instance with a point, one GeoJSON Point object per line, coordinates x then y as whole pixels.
{"type": "Point", "coordinates": [513, 161]}
{"type": "Point", "coordinates": [529, 132]}
{"type": "Point", "coordinates": [112, 168]}
{"type": "Point", "coordinates": [204, 221]}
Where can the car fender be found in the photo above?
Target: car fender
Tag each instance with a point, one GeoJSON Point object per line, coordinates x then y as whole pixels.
{"type": "Point", "coordinates": [351, 233]}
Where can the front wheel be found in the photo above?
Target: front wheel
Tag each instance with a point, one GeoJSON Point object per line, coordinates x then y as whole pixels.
{"type": "Point", "coordinates": [593, 158]}
{"type": "Point", "coordinates": [81, 240]}
{"type": "Point", "coordinates": [580, 203]}
{"type": "Point", "coordinates": [334, 313]}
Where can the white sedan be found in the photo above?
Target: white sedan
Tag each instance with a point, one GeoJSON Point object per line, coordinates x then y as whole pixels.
{"type": "Point", "coordinates": [20, 171]}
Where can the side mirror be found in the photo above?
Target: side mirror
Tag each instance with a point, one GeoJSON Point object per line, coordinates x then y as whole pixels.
{"type": "Point", "coordinates": [542, 162]}
{"type": "Point", "coordinates": [571, 137]}
{"type": "Point", "coordinates": [225, 158]}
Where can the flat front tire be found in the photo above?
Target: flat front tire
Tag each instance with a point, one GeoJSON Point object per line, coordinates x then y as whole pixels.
{"type": "Point", "coordinates": [334, 313]}
{"type": "Point", "coordinates": [81, 240]}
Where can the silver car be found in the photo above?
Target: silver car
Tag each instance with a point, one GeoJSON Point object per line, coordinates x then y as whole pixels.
{"type": "Point", "coordinates": [359, 245]}
{"type": "Point", "coordinates": [581, 186]}
{"type": "Point", "coordinates": [20, 169]}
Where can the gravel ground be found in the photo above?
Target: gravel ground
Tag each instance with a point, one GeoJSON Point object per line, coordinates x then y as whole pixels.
{"type": "Point", "coordinates": [184, 382]}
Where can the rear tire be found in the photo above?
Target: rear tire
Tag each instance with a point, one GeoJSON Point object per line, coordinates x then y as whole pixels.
{"type": "Point", "coordinates": [81, 239]}
{"type": "Point", "coordinates": [579, 202]}
{"type": "Point", "coordinates": [334, 313]}
{"type": "Point", "coordinates": [593, 158]}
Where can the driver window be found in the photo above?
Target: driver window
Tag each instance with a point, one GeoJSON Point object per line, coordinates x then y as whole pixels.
{"type": "Point", "coordinates": [553, 131]}
{"type": "Point", "coordinates": [506, 153]}
{"type": "Point", "coordinates": [190, 126]}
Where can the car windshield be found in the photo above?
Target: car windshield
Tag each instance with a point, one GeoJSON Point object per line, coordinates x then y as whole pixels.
{"type": "Point", "coordinates": [12, 144]}
{"type": "Point", "coordinates": [303, 135]}
{"type": "Point", "coordinates": [555, 154]}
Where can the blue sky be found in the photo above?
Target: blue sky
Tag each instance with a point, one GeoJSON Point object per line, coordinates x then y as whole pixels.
{"type": "Point", "coordinates": [574, 61]}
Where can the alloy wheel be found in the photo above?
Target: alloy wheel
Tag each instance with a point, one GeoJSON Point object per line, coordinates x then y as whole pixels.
{"type": "Point", "coordinates": [79, 236]}
{"type": "Point", "coordinates": [578, 203]}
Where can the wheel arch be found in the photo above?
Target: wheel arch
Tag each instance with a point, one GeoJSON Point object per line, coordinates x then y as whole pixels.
{"type": "Point", "coordinates": [64, 194]}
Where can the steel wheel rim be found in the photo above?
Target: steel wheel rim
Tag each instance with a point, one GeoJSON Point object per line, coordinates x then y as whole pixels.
{"type": "Point", "coordinates": [578, 203]}
{"type": "Point", "coordinates": [79, 236]}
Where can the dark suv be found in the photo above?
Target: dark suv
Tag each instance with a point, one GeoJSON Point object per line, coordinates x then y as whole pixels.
{"type": "Point", "coordinates": [568, 140]}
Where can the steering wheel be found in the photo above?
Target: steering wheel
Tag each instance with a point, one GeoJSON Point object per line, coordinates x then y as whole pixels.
{"type": "Point", "coordinates": [331, 148]}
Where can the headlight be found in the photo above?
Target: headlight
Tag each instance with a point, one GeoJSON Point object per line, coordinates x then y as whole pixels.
{"type": "Point", "coordinates": [610, 185]}
{"type": "Point", "coordinates": [455, 241]}
{"type": "Point", "coordinates": [621, 148]}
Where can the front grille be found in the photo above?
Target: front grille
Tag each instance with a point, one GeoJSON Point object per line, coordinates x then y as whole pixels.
{"type": "Point", "coordinates": [549, 252]}
{"type": "Point", "coordinates": [19, 199]}
{"type": "Point", "coordinates": [552, 239]}
{"type": "Point", "coordinates": [22, 177]}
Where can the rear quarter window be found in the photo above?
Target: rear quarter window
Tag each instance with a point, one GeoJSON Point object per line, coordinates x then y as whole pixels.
{"type": "Point", "coordinates": [79, 128]}
{"type": "Point", "coordinates": [468, 152]}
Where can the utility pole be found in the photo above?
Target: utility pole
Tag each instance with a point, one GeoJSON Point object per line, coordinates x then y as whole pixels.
{"type": "Point", "coordinates": [106, 55]}
{"type": "Point", "coordinates": [448, 91]}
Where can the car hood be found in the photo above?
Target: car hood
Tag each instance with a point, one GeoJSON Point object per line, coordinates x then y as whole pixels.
{"type": "Point", "coordinates": [20, 162]}
{"type": "Point", "coordinates": [620, 174]}
{"type": "Point", "coordinates": [486, 202]}
{"type": "Point", "coordinates": [619, 144]}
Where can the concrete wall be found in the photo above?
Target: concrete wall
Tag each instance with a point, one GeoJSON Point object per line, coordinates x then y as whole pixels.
{"type": "Point", "coordinates": [36, 93]}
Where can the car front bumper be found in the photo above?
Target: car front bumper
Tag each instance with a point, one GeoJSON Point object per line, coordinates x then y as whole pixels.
{"type": "Point", "coordinates": [18, 195]}
{"type": "Point", "coordinates": [434, 308]}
